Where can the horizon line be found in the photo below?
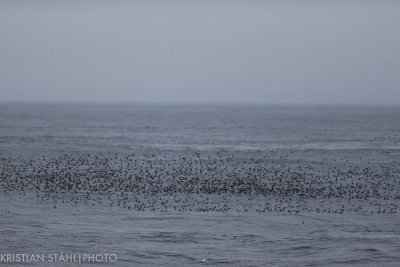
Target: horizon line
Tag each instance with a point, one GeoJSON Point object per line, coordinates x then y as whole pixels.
{"type": "Point", "coordinates": [112, 102]}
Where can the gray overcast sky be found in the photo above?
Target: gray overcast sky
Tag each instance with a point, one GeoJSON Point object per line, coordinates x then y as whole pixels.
{"type": "Point", "coordinates": [200, 51]}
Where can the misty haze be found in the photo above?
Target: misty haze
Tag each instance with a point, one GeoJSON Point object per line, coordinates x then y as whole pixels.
{"type": "Point", "coordinates": [200, 51]}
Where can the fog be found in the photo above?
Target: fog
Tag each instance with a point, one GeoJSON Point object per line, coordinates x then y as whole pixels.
{"type": "Point", "coordinates": [200, 51]}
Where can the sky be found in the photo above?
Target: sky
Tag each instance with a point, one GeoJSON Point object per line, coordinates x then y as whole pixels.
{"type": "Point", "coordinates": [286, 51]}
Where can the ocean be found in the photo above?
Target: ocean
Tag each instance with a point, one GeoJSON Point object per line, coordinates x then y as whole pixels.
{"type": "Point", "coordinates": [197, 184]}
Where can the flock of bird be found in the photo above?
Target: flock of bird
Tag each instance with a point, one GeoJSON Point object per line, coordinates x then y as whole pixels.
{"type": "Point", "coordinates": [219, 182]}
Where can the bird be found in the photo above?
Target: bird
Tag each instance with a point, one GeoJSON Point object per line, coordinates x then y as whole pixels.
{"type": "Point", "coordinates": [205, 258]}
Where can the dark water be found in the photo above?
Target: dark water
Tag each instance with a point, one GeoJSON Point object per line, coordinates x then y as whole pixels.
{"type": "Point", "coordinates": [87, 127]}
{"type": "Point", "coordinates": [332, 175]}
